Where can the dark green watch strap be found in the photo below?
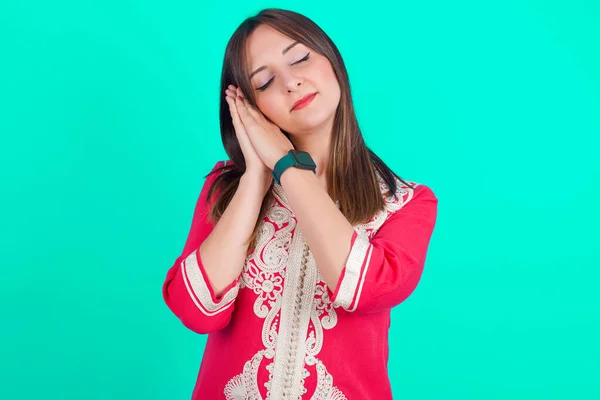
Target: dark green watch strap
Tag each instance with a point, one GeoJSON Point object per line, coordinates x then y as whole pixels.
{"type": "Point", "coordinates": [290, 160]}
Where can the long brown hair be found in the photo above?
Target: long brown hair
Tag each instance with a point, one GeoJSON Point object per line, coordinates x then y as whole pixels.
{"type": "Point", "coordinates": [351, 175]}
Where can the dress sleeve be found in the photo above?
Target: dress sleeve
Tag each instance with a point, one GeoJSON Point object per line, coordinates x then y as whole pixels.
{"type": "Point", "coordinates": [186, 289]}
{"type": "Point", "coordinates": [383, 271]}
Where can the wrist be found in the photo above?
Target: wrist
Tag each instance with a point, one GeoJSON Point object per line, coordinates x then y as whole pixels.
{"type": "Point", "coordinates": [293, 174]}
{"type": "Point", "coordinates": [258, 178]}
{"type": "Point", "coordinates": [280, 154]}
{"type": "Point", "coordinates": [296, 159]}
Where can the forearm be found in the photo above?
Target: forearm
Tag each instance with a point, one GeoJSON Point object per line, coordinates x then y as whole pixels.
{"type": "Point", "coordinates": [327, 231]}
{"type": "Point", "coordinates": [224, 251]}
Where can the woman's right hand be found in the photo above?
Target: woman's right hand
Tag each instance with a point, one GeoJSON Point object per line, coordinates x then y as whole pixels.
{"type": "Point", "coordinates": [254, 164]}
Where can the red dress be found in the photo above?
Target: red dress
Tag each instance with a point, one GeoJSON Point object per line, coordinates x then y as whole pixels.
{"type": "Point", "coordinates": [278, 332]}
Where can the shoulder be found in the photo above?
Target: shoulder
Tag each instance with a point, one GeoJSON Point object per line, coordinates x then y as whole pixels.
{"type": "Point", "coordinates": [407, 192]}
{"type": "Point", "coordinates": [222, 163]}
{"type": "Point", "coordinates": [217, 168]}
{"type": "Point", "coordinates": [414, 204]}
{"type": "Point", "coordinates": [211, 176]}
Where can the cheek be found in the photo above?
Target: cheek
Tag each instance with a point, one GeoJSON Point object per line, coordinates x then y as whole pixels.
{"type": "Point", "coordinates": [270, 106]}
{"type": "Point", "coordinates": [326, 78]}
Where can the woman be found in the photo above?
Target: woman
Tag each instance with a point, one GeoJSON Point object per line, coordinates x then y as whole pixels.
{"type": "Point", "coordinates": [292, 270]}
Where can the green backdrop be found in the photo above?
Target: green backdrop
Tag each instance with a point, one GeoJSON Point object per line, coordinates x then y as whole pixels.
{"type": "Point", "coordinates": [108, 123]}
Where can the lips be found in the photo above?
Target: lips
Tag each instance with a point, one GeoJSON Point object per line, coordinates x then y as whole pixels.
{"type": "Point", "coordinates": [304, 101]}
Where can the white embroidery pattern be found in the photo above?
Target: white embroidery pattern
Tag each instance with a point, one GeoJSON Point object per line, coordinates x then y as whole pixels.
{"type": "Point", "coordinates": [263, 273]}
{"type": "Point", "coordinates": [199, 291]}
{"type": "Point", "coordinates": [302, 304]}
{"type": "Point", "coordinates": [352, 283]}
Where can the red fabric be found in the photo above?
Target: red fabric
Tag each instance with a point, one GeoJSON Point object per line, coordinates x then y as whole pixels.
{"type": "Point", "coordinates": [351, 323]}
{"type": "Point", "coordinates": [179, 300]}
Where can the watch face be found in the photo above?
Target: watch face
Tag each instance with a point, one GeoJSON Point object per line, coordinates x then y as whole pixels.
{"type": "Point", "coordinates": [305, 159]}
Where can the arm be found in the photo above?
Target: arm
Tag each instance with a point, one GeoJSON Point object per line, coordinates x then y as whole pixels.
{"type": "Point", "coordinates": [363, 275]}
{"type": "Point", "coordinates": [201, 286]}
{"type": "Point", "coordinates": [383, 271]}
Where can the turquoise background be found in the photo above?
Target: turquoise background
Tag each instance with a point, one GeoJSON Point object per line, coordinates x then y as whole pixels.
{"type": "Point", "coordinates": [109, 122]}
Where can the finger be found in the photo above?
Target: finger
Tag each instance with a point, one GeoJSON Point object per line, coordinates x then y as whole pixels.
{"type": "Point", "coordinates": [242, 111]}
{"type": "Point", "coordinates": [235, 118]}
{"type": "Point", "coordinates": [253, 111]}
{"type": "Point", "coordinates": [256, 114]}
{"type": "Point", "coordinates": [233, 93]}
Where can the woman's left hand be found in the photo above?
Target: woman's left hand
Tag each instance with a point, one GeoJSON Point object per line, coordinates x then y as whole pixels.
{"type": "Point", "coordinates": [268, 140]}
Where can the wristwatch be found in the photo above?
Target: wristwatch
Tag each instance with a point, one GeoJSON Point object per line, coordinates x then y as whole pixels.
{"type": "Point", "coordinates": [294, 158]}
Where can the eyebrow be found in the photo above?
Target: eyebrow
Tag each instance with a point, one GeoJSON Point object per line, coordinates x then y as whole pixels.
{"type": "Point", "coordinates": [285, 50]}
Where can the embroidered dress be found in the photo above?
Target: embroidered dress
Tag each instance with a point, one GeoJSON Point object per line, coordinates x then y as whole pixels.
{"type": "Point", "coordinates": [278, 332]}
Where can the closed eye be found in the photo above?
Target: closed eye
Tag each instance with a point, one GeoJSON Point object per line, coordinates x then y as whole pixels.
{"type": "Point", "coordinates": [305, 58]}
{"type": "Point", "coordinates": [266, 85]}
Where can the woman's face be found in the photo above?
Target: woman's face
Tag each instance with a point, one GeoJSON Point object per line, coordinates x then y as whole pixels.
{"type": "Point", "coordinates": [285, 75]}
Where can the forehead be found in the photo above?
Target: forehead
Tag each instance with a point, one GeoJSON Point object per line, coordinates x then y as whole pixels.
{"type": "Point", "coordinates": [265, 43]}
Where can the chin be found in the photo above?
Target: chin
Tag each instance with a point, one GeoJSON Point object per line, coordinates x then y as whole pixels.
{"type": "Point", "coordinates": [311, 121]}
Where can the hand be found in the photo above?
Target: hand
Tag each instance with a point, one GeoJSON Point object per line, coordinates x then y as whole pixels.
{"type": "Point", "coordinates": [254, 164]}
{"type": "Point", "coordinates": [268, 140]}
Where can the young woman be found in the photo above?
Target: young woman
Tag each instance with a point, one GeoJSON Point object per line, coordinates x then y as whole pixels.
{"type": "Point", "coordinates": [304, 240]}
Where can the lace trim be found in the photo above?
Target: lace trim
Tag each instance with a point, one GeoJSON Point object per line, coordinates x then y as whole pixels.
{"type": "Point", "coordinates": [298, 295]}
{"type": "Point", "coordinates": [199, 291]}
{"type": "Point", "coordinates": [354, 276]}
{"type": "Point", "coordinates": [360, 254]}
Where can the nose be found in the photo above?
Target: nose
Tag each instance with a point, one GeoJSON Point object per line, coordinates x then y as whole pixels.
{"type": "Point", "coordinates": [298, 83]}
{"type": "Point", "coordinates": [292, 82]}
